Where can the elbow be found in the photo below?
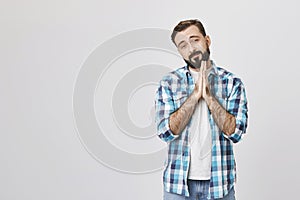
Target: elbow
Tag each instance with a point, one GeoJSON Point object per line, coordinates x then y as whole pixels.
{"type": "Point", "coordinates": [173, 128]}
{"type": "Point", "coordinates": [240, 129]}
{"type": "Point", "coordinates": [164, 131]}
{"type": "Point", "coordinates": [167, 136]}
{"type": "Point", "coordinates": [229, 125]}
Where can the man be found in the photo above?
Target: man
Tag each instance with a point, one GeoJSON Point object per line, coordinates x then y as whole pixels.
{"type": "Point", "coordinates": [201, 109]}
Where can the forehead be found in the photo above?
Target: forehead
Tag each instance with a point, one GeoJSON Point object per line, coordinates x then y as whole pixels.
{"type": "Point", "coordinates": [187, 33]}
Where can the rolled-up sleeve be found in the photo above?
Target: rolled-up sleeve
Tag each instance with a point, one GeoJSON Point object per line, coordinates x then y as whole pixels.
{"type": "Point", "coordinates": [237, 106]}
{"type": "Point", "coordinates": [164, 107]}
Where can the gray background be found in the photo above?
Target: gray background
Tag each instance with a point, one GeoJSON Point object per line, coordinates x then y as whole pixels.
{"type": "Point", "coordinates": [45, 43]}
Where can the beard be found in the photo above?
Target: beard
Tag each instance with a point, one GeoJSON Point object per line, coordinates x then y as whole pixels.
{"type": "Point", "coordinates": [201, 56]}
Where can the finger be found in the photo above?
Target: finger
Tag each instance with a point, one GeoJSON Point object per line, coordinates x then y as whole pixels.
{"type": "Point", "coordinates": [205, 65]}
{"type": "Point", "coordinates": [203, 69]}
{"type": "Point", "coordinates": [202, 66]}
{"type": "Point", "coordinates": [204, 77]}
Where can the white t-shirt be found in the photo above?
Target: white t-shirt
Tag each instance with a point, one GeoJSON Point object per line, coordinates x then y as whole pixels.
{"type": "Point", "coordinates": [200, 141]}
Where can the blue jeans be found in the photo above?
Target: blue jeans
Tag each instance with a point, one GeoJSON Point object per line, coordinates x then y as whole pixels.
{"type": "Point", "coordinates": [198, 191]}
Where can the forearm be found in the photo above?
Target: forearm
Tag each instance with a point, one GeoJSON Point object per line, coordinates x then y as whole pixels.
{"type": "Point", "coordinates": [224, 120]}
{"type": "Point", "coordinates": [180, 118]}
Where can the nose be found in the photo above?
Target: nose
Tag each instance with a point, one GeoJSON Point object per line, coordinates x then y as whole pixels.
{"type": "Point", "coordinates": [191, 47]}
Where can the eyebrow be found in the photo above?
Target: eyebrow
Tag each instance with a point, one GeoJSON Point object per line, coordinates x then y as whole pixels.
{"type": "Point", "coordinates": [192, 36]}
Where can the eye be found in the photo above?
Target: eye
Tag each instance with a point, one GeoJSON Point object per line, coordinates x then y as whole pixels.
{"type": "Point", "coordinates": [183, 46]}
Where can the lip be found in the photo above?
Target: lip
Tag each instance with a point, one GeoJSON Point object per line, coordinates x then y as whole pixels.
{"type": "Point", "coordinates": [197, 55]}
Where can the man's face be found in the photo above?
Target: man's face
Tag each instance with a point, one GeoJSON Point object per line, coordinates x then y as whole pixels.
{"type": "Point", "coordinates": [193, 46]}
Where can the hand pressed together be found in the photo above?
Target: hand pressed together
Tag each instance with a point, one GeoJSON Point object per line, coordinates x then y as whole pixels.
{"type": "Point", "coordinates": [201, 86]}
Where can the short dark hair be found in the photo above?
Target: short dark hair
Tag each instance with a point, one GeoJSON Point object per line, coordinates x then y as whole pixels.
{"type": "Point", "coordinates": [181, 26]}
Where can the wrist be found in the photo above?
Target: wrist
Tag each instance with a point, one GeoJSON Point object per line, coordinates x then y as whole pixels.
{"type": "Point", "coordinates": [209, 101]}
{"type": "Point", "coordinates": [196, 95]}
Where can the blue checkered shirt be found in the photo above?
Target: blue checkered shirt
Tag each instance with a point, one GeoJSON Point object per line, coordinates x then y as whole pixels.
{"type": "Point", "coordinates": [173, 90]}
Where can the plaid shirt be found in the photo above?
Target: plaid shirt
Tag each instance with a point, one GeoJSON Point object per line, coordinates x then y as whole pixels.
{"type": "Point", "coordinates": [173, 90]}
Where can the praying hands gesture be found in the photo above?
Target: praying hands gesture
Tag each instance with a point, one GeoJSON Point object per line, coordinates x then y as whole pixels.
{"type": "Point", "coordinates": [201, 86]}
{"type": "Point", "coordinates": [224, 120]}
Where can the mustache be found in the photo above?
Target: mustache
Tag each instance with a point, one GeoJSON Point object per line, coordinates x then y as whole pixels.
{"type": "Point", "coordinates": [195, 53]}
{"type": "Point", "coordinates": [197, 62]}
{"type": "Point", "coordinates": [204, 56]}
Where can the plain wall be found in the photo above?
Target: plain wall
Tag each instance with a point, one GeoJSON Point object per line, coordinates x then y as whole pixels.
{"type": "Point", "coordinates": [44, 45]}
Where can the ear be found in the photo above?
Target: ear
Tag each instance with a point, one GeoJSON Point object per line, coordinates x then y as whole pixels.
{"type": "Point", "coordinates": [208, 41]}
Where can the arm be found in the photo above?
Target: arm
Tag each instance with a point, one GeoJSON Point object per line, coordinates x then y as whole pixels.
{"type": "Point", "coordinates": [237, 106]}
{"type": "Point", "coordinates": [171, 122]}
{"type": "Point", "coordinates": [224, 120]}
{"type": "Point", "coordinates": [164, 106]}
{"type": "Point", "coordinates": [180, 118]}
{"type": "Point", "coordinates": [232, 120]}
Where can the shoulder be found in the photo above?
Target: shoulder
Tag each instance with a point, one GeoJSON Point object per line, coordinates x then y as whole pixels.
{"type": "Point", "coordinates": [174, 76]}
{"type": "Point", "coordinates": [230, 81]}
{"type": "Point", "coordinates": [228, 76]}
